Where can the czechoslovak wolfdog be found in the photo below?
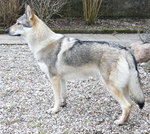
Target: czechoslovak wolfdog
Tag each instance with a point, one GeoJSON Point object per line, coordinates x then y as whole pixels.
{"type": "Point", "coordinates": [63, 58]}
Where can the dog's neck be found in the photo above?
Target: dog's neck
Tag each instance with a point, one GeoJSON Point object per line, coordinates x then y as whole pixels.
{"type": "Point", "coordinates": [40, 36]}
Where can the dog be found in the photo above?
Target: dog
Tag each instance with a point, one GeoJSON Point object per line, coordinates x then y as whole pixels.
{"type": "Point", "coordinates": [63, 58]}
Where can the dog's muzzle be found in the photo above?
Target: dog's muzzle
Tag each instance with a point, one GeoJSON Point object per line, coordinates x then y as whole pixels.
{"type": "Point", "coordinates": [8, 31]}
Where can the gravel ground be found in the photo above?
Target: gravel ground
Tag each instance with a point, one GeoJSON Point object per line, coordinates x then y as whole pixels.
{"type": "Point", "coordinates": [26, 95]}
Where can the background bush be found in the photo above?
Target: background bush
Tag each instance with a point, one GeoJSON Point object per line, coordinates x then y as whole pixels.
{"type": "Point", "coordinates": [9, 11]}
{"type": "Point", "coordinates": [90, 10]}
{"type": "Point", "coordinates": [45, 9]}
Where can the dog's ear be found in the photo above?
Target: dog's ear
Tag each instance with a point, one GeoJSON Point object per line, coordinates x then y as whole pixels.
{"type": "Point", "coordinates": [25, 5]}
{"type": "Point", "coordinates": [28, 12]}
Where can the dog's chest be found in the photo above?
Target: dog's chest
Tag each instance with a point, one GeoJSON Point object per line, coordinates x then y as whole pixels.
{"type": "Point", "coordinates": [43, 67]}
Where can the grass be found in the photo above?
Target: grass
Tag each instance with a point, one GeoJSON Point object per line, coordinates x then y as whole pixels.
{"type": "Point", "coordinates": [147, 66]}
{"type": "Point", "coordinates": [2, 31]}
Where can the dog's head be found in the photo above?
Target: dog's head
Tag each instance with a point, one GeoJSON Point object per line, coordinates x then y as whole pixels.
{"type": "Point", "coordinates": [23, 23]}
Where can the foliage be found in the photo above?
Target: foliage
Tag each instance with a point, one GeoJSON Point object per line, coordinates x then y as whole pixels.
{"type": "Point", "coordinates": [90, 10]}
{"type": "Point", "coordinates": [45, 9]}
{"type": "Point", "coordinates": [9, 11]}
{"type": "Point", "coordinates": [147, 66]}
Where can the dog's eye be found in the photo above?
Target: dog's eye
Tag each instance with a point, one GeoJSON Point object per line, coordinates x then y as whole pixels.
{"type": "Point", "coordinates": [19, 23]}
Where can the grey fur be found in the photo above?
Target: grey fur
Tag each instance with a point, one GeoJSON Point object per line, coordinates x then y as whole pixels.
{"type": "Point", "coordinates": [78, 54]}
{"type": "Point", "coordinates": [85, 52]}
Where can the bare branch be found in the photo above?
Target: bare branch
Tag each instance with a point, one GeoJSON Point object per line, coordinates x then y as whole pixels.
{"type": "Point", "coordinates": [47, 8]}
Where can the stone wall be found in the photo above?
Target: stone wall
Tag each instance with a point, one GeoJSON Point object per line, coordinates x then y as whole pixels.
{"type": "Point", "coordinates": [112, 8]}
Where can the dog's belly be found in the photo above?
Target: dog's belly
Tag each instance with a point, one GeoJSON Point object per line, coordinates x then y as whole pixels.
{"type": "Point", "coordinates": [80, 73]}
{"type": "Point", "coordinates": [73, 73]}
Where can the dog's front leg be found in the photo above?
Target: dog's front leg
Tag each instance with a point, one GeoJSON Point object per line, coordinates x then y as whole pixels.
{"type": "Point", "coordinates": [55, 80]}
{"type": "Point", "coordinates": [63, 93]}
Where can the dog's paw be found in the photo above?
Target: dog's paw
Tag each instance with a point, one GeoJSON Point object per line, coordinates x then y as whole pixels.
{"type": "Point", "coordinates": [63, 104]}
{"type": "Point", "coordinates": [119, 122]}
{"type": "Point", "coordinates": [53, 110]}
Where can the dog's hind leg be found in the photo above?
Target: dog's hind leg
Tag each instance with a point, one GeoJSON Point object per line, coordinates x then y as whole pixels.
{"type": "Point", "coordinates": [122, 96]}
{"type": "Point", "coordinates": [116, 76]}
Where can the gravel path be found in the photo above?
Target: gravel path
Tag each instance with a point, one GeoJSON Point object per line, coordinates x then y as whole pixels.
{"type": "Point", "coordinates": [26, 95]}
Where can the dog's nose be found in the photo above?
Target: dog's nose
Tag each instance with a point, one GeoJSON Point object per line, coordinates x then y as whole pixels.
{"type": "Point", "coordinates": [7, 30]}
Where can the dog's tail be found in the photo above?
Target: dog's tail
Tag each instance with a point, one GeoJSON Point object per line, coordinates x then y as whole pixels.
{"type": "Point", "coordinates": [134, 81]}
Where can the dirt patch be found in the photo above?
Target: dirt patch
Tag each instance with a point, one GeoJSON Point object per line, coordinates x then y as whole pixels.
{"type": "Point", "coordinates": [79, 23]}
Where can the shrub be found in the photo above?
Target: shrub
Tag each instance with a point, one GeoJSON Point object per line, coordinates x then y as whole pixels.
{"type": "Point", "coordinates": [90, 10]}
{"type": "Point", "coordinates": [9, 11]}
{"type": "Point", "coordinates": [45, 9]}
